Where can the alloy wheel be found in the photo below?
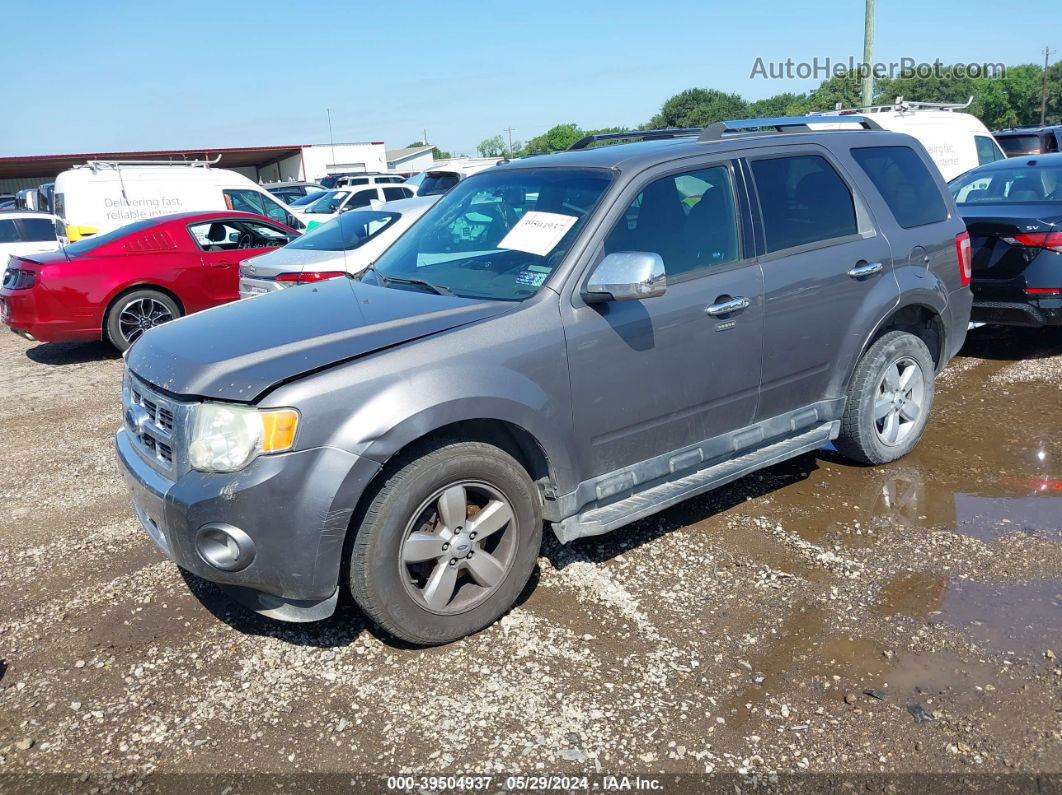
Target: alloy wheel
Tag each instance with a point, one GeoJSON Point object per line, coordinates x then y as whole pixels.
{"type": "Point", "coordinates": [138, 316]}
{"type": "Point", "coordinates": [458, 547]}
{"type": "Point", "coordinates": [899, 401]}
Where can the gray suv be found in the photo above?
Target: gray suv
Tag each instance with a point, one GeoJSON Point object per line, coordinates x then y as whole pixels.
{"type": "Point", "coordinates": [579, 339]}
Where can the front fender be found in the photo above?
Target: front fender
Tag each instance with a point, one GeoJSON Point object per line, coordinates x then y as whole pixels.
{"type": "Point", "coordinates": [410, 409]}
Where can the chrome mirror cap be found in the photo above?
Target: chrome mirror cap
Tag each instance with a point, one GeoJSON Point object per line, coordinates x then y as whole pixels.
{"type": "Point", "coordinates": [626, 276]}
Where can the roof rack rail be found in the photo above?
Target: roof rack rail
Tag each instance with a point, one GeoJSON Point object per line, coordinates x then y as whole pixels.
{"type": "Point", "coordinates": [900, 105]}
{"type": "Point", "coordinates": [636, 135]}
{"type": "Point", "coordinates": [116, 163]}
{"type": "Point", "coordinates": [781, 124]}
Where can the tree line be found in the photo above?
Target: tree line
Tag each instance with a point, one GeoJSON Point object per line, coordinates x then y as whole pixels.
{"type": "Point", "coordinates": [1011, 99]}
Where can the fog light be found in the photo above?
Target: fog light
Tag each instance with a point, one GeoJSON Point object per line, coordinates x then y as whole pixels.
{"type": "Point", "coordinates": [224, 547]}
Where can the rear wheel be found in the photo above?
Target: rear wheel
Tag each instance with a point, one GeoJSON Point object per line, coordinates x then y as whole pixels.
{"type": "Point", "coordinates": [889, 400]}
{"type": "Point", "coordinates": [136, 312]}
{"type": "Point", "coordinates": [447, 542]}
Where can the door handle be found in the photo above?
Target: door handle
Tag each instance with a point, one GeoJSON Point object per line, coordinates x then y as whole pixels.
{"type": "Point", "coordinates": [726, 307]}
{"type": "Point", "coordinates": [866, 269]}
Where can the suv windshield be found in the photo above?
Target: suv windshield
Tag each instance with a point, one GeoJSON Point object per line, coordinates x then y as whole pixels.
{"type": "Point", "coordinates": [328, 203]}
{"type": "Point", "coordinates": [497, 236]}
{"type": "Point", "coordinates": [1008, 185]}
{"type": "Point", "coordinates": [347, 232]}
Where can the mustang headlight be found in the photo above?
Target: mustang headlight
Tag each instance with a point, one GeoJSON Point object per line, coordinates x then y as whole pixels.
{"type": "Point", "coordinates": [227, 438]}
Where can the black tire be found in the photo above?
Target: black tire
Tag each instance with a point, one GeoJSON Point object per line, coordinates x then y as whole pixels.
{"type": "Point", "coordinates": [384, 586]}
{"type": "Point", "coordinates": [117, 328]}
{"type": "Point", "coordinates": [863, 437]}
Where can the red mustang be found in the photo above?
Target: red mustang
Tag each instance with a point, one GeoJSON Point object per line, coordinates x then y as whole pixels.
{"type": "Point", "coordinates": [117, 285]}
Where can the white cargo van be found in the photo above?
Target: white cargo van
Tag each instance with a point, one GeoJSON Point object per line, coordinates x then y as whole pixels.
{"type": "Point", "coordinates": [103, 195]}
{"type": "Point", "coordinates": [956, 141]}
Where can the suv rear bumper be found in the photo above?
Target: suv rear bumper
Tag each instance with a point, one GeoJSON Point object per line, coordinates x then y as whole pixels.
{"type": "Point", "coordinates": [280, 513]}
{"type": "Point", "coordinates": [1034, 312]}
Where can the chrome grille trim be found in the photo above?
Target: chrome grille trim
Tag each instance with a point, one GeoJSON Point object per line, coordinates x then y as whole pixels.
{"type": "Point", "coordinates": [159, 426]}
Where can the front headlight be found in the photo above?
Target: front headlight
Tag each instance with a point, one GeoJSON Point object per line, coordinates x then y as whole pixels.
{"type": "Point", "coordinates": [227, 438]}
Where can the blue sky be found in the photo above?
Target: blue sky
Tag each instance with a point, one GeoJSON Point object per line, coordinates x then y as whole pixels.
{"type": "Point", "coordinates": [134, 75]}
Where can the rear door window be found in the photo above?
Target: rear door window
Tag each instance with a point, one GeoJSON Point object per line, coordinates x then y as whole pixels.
{"type": "Point", "coordinates": [361, 198]}
{"type": "Point", "coordinates": [390, 194]}
{"type": "Point", "coordinates": [8, 232]}
{"type": "Point", "coordinates": [803, 200]}
{"type": "Point", "coordinates": [904, 183]}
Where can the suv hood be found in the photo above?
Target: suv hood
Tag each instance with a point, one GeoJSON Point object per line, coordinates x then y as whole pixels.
{"type": "Point", "coordinates": [239, 350]}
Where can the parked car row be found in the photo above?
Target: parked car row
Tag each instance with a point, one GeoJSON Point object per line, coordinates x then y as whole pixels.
{"type": "Point", "coordinates": [114, 279]}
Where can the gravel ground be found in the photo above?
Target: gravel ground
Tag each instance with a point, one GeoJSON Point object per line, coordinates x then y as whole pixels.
{"type": "Point", "coordinates": [817, 616]}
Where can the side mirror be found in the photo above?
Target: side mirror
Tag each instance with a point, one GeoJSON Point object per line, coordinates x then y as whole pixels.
{"type": "Point", "coordinates": [626, 276]}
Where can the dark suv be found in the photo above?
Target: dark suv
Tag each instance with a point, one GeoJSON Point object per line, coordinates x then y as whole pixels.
{"type": "Point", "coordinates": [582, 339]}
{"type": "Point", "coordinates": [1029, 140]}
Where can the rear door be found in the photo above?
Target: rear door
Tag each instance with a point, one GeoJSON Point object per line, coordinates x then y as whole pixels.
{"type": "Point", "coordinates": [823, 260]}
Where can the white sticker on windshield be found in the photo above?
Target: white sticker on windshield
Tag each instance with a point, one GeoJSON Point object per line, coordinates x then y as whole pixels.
{"type": "Point", "coordinates": [537, 232]}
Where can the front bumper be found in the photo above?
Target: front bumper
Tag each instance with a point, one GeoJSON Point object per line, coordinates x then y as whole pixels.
{"type": "Point", "coordinates": [295, 508]}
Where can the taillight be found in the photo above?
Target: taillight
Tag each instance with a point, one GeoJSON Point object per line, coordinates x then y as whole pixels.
{"type": "Point", "coordinates": [965, 255]}
{"type": "Point", "coordinates": [1043, 291]}
{"type": "Point", "coordinates": [19, 279]}
{"type": "Point", "coordinates": [1052, 241]}
{"type": "Point", "coordinates": [309, 277]}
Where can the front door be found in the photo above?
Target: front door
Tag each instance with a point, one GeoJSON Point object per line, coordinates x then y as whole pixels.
{"type": "Point", "coordinates": [655, 375]}
{"type": "Point", "coordinates": [224, 244]}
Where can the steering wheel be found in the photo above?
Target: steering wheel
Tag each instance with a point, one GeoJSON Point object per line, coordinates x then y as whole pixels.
{"type": "Point", "coordinates": [245, 241]}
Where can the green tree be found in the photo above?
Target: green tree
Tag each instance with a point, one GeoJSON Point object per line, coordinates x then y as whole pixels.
{"type": "Point", "coordinates": [555, 139]}
{"type": "Point", "coordinates": [699, 107]}
{"type": "Point", "coordinates": [436, 152]}
{"type": "Point", "coordinates": [778, 105]}
{"type": "Point", "coordinates": [491, 147]}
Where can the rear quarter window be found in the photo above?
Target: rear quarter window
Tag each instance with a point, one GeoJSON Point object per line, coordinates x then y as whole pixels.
{"type": "Point", "coordinates": [905, 184]}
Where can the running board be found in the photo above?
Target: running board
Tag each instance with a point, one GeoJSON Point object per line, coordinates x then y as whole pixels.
{"type": "Point", "coordinates": [601, 519]}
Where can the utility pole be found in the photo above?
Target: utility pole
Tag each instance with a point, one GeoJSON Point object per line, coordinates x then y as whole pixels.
{"type": "Point", "coordinates": [1048, 52]}
{"type": "Point", "coordinates": [331, 139]}
{"type": "Point", "coordinates": [868, 55]}
{"type": "Point", "coordinates": [510, 131]}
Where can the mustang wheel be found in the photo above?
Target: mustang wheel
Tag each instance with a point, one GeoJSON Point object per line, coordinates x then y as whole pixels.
{"type": "Point", "coordinates": [135, 313]}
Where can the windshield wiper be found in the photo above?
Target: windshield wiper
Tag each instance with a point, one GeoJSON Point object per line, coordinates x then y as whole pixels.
{"type": "Point", "coordinates": [438, 289]}
{"type": "Point", "coordinates": [386, 280]}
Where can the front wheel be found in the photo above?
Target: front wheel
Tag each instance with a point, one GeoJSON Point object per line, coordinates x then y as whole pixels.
{"type": "Point", "coordinates": [447, 542]}
{"type": "Point", "coordinates": [889, 400]}
{"type": "Point", "coordinates": [136, 312]}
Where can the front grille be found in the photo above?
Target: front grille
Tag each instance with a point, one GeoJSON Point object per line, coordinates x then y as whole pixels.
{"type": "Point", "coordinates": [156, 423]}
